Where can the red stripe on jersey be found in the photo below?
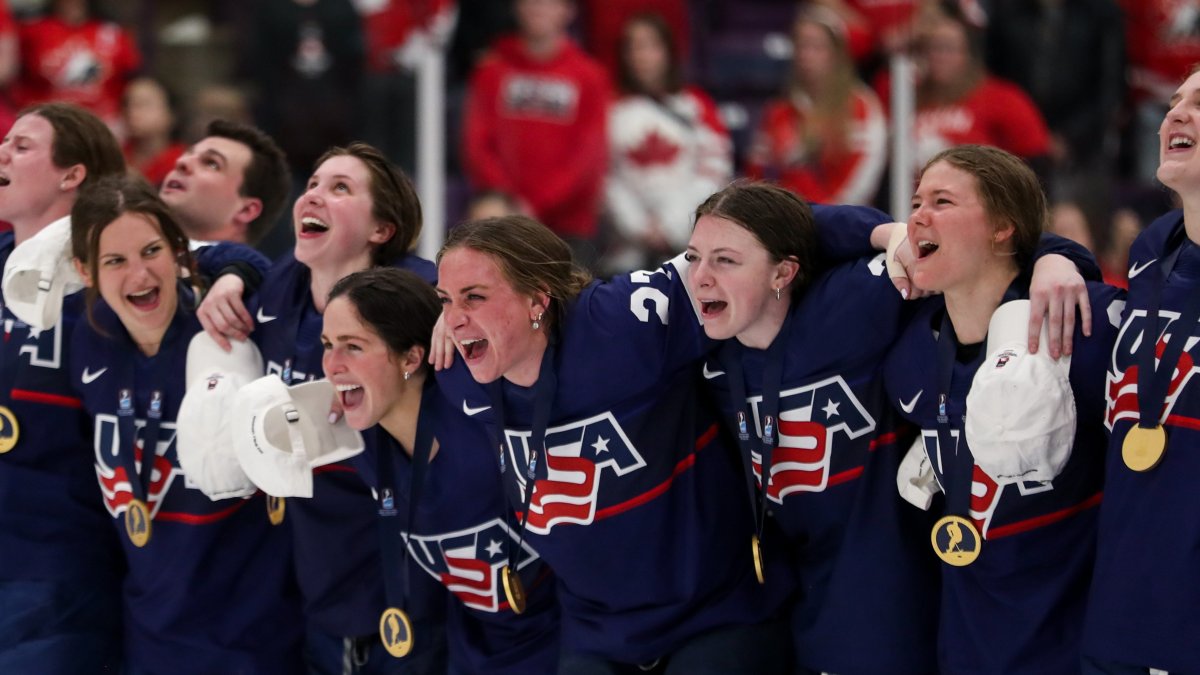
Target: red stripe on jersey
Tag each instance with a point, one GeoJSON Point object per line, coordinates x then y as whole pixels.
{"type": "Point", "coordinates": [42, 397]}
{"type": "Point", "coordinates": [1042, 521]}
{"type": "Point", "coordinates": [883, 439]}
{"type": "Point", "coordinates": [334, 467]}
{"type": "Point", "coordinates": [683, 465]}
{"type": "Point", "coordinates": [845, 476]}
{"type": "Point", "coordinates": [1185, 422]}
{"type": "Point", "coordinates": [197, 519]}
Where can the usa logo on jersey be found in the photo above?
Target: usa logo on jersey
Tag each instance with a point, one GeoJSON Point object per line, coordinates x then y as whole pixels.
{"type": "Point", "coordinates": [576, 456]}
{"type": "Point", "coordinates": [115, 480]}
{"type": "Point", "coordinates": [985, 492]}
{"type": "Point", "coordinates": [468, 562]}
{"type": "Point", "coordinates": [1121, 391]}
{"type": "Point", "coordinates": [809, 418]}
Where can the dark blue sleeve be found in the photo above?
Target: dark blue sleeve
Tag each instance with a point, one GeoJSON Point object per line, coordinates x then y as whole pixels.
{"type": "Point", "coordinates": [1076, 253]}
{"type": "Point", "coordinates": [226, 257]}
{"type": "Point", "coordinates": [844, 232]}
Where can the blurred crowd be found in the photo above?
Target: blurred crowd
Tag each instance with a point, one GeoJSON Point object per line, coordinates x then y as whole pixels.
{"type": "Point", "coordinates": [610, 120]}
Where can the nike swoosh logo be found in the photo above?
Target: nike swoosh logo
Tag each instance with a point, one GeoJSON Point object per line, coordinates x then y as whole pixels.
{"type": "Point", "coordinates": [263, 318]}
{"type": "Point", "coordinates": [710, 374]}
{"type": "Point", "coordinates": [1135, 269]}
{"type": "Point", "coordinates": [90, 377]}
{"type": "Point", "coordinates": [474, 411]}
{"type": "Point", "coordinates": [911, 405]}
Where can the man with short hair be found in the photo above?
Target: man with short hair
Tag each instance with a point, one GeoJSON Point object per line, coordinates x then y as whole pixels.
{"type": "Point", "coordinates": [230, 185]}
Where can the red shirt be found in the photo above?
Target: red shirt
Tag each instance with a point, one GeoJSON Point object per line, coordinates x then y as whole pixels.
{"type": "Point", "coordinates": [87, 64]}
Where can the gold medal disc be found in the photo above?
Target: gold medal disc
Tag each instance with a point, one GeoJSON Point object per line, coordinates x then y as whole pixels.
{"type": "Point", "coordinates": [514, 590]}
{"type": "Point", "coordinates": [956, 541]}
{"type": "Point", "coordinates": [756, 551]}
{"type": "Point", "coordinates": [9, 430]}
{"type": "Point", "coordinates": [137, 522]}
{"type": "Point", "coordinates": [396, 632]}
{"type": "Point", "coordinates": [275, 509]}
{"type": "Point", "coordinates": [1144, 448]}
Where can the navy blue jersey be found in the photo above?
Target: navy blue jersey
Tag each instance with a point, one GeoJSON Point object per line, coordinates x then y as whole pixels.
{"type": "Point", "coordinates": [862, 554]}
{"type": "Point", "coordinates": [1019, 606]}
{"type": "Point", "coordinates": [211, 590]}
{"type": "Point", "coordinates": [343, 592]}
{"type": "Point", "coordinates": [461, 538]}
{"type": "Point", "coordinates": [640, 512]}
{"type": "Point", "coordinates": [1145, 602]}
{"type": "Point", "coordinates": [53, 526]}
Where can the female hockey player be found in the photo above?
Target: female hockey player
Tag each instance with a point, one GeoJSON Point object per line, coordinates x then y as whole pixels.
{"type": "Point", "coordinates": [434, 476]}
{"type": "Point", "coordinates": [208, 586]}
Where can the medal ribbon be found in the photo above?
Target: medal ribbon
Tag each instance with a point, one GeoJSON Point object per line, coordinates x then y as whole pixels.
{"type": "Point", "coordinates": [1153, 383]}
{"type": "Point", "coordinates": [397, 590]}
{"type": "Point", "coordinates": [960, 477]}
{"type": "Point", "coordinates": [543, 399]}
{"type": "Point", "coordinates": [139, 481]}
{"type": "Point", "coordinates": [731, 359]}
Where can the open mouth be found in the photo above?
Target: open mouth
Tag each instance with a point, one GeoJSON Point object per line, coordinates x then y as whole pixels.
{"type": "Point", "coordinates": [147, 299]}
{"type": "Point", "coordinates": [1178, 142]}
{"type": "Point", "coordinates": [351, 395]}
{"type": "Point", "coordinates": [711, 308]}
{"type": "Point", "coordinates": [925, 248]}
{"type": "Point", "coordinates": [313, 226]}
{"type": "Point", "coordinates": [173, 185]}
{"type": "Point", "coordinates": [473, 349]}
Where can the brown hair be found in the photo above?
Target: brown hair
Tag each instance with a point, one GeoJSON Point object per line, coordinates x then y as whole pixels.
{"type": "Point", "coordinates": [673, 79]}
{"type": "Point", "coordinates": [1009, 190]}
{"type": "Point", "coordinates": [266, 178]}
{"type": "Point", "coordinates": [531, 257]}
{"type": "Point", "coordinates": [398, 305]}
{"type": "Point", "coordinates": [779, 219]}
{"type": "Point", "coordinates": [393, 199]}
{"type": "Point", "coordinates": [928, 93]}
{"type": "Point", "coordinates": [829, 122]}
{"type": "Point", "coordinates": [101, 204]}
{"type": "Point", "coordinates": [80, 138]}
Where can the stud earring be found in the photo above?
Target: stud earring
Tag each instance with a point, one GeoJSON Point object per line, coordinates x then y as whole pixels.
{"type": "Point", "coordinates": [407, 375]}
{"type": "Point", "coordinates": [778, 293]}
{"type": "Point", "coordinates": [537, 322]}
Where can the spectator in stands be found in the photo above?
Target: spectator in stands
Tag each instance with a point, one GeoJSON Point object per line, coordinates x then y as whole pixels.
{"type": "Point", "coordinates": [492, 204]}
{"type": "Point", "coordinates": [148, 110]}
{"type": "Point", "coordinates": [826, 138]}
{"type": "Point", "coordinates": [1163, 40]}
{"type": "Point", "coordinates": [214, 102]}
{"type": "Point", "coordinates": [74, 54]}
{"type": "Point", "coordinates": [535, 123]}
{"type": "Point", "coordinates": [231, 185]}
{"type": "Point", "coordinates": [959, 103]}
{"type": "Point", "coordinates": [668, 149]}
{"type": "Point", "coordinates": [1068, 55]}
{"type": "Point", "coordinates": [308, 64]}
{"type": "Point", "coordinates": [604, 28]}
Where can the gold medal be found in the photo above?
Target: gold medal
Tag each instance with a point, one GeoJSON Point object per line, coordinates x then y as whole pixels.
{"type": "Point", "coordinates": [956, 541]}
{"type": "Point", "coordinates": [514, 590]}
{"type": "Point", "coordinates": [1144, 448]}
{"type": "Point", "coordinates": [756, 551]}
{"type": "Point", "coordinates": [137, 522]}
{"type": "Point", "coordinates": [275, 509]}
{"type": "Point", "coordinates": [395, 632]}
{"type": "Point", "coordinates": [9, 431]}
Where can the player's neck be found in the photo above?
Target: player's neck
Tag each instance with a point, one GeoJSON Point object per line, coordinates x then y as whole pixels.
{"type": "Point", "coordinates": [323, 277]}
{"type": "Point", "coordinates": [762, 332]}
{"type": "Point", "coordinates": [971, 305]}
{"type": "Point", "coordinates": [25, 228]}
{"type": "Point", "coordinates": [400, 421]}
{"type": "Point", "coordinates": [1191, 217]}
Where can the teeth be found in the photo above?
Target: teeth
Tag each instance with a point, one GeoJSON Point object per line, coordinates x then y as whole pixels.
{"type": "Point", "coordinates": [348, 387]}
{"type": "Point", "coordinates": [1180, 142]}
{"type": "Point", "coordinates": [468, 343]}
{"type": "Point", "coordinates": [309, 221]}
{"type": "Point", "coordinates": [141, 294]}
